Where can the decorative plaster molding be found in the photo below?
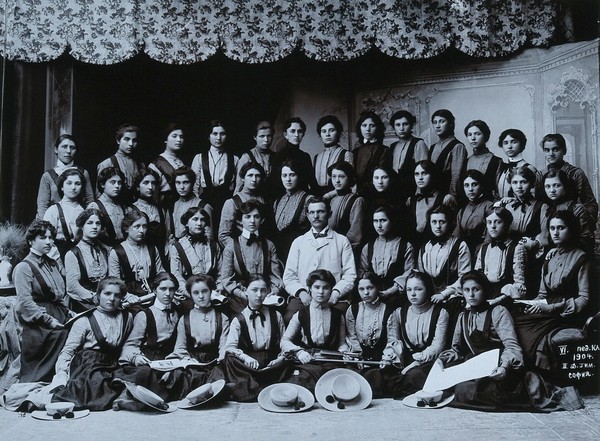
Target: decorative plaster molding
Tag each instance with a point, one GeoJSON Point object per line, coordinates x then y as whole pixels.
{"type": "Point", "coordinates": [574, 87]}
{"type": "Point", "coordinates": [390, 101]}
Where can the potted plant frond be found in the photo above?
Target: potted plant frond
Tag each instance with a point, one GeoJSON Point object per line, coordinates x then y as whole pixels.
{"type": "Point", "coordinates": [13, 248]}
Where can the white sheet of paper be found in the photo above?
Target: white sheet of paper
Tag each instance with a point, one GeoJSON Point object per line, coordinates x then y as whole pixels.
{"type": "Point", "coordinates": [477, 367]}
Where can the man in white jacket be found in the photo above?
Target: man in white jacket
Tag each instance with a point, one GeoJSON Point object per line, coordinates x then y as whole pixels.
{"type": "Point", "coordinates": [319, 248]}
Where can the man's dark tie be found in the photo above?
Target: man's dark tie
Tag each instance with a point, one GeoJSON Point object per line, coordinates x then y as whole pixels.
{"type": "Point", "coordinates": [317, 235]}
{"type": "Point", "coordinates": [253, 238]}
{"type": "Point", "coordinates": [254, 315]}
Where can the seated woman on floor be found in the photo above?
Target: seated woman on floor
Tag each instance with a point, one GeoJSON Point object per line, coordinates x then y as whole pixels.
{"type": "Point", "coordinates": [417, 335]}
{"type": "Point", "coordinates": [89, 360]}
{"type": "Point", "coordinates": [315, 327]}
{"type": "Point", "coordinates": [509, 386]}
{"type": "Point", "coordinates": [153, 335]}
{"type": "Point", "coordinates": [253, 360]}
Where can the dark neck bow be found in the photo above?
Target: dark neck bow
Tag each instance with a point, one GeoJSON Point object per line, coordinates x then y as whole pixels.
{"type": "Point", "coordinates": [421, 196]}
{"type": "Point", "coordinates": [94, 247]}
{"type": "Point", "coordinates": [498, 243]}
{"type": "Point", "coordinates": [317, 235]}
{"type": "Point", "coordinates": [441, 241]}
{"type": "Point", "coordinates": [519, 203]}
{"type": "Point", "coordinates": [510, 165]}
{"type": "Point", "coordinates": [198, 238]}
{"type": "Point", "coordinates": [256, 313]}
{"type": "Point", "coordinates": [48, 261]}
{"type": "Point", "coordinates": [253, 238]}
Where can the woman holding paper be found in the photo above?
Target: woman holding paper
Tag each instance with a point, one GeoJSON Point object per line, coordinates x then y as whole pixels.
{"type": "Point", "coordinates": [509, 386]}
{"type": "Point", "coordinates": [479, 329]}
{"type": "Point", "coordinates": [563, 296]}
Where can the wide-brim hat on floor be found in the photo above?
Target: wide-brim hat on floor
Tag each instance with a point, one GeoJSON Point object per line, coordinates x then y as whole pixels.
{"type": "Point", "coordinates": [343, 390]}
{"type": "Point", "coordinates": [428, 400]}
{"type": "Point", "coordinates": [204, 395]}
{"type": "Point", "coordinates": [285, 398]}
{"type": "Point", "coordinates": [149, 398]}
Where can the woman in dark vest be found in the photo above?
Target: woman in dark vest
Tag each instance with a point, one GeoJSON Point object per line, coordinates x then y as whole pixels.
{"type": "Point", "coordinates": [566, 288]}
{"type": "Point", "coordinates": [111, 184]}
{"type": "Point", "coordinates": [146, 190]}
{"type": "Point", "coordinates": [133, 260]}
{"type": "Point", "coordinates": [215, 169]}
{"type": "Point", "coordinates": [41, 305]}
{"type": "Point", "coordinates": [167, 162]}
{"type": "Point", "coordinates": [153, 334]}
{"type": "Point", "coordinates": [194, 253]}
{"type": "Point", "coordinates": [347, 208]}
{"type": "Point", "coordinates": [370, 152]}
{"type": "Point", "coordinates": [389, 256]}
{"type": "Point", "coordinates": [290, 219]}
{"type": "Point", "coordinates": [87, 262]}
{"type": "Point", "coordinates": [62, 215]}
{"type": "Point", "coordinates": [417, 334]}
{"type": "Point", "coordinates": [314, 328]}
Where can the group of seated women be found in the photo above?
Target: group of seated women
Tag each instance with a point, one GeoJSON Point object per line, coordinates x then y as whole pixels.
{"type": "Point", "coordinates": [404, 256]}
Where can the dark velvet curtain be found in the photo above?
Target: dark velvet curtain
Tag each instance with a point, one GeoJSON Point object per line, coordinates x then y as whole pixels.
{"type": "Point", "coordinates": [23, 127]}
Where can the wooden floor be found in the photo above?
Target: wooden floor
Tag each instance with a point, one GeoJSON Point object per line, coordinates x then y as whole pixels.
{"type": "Point", "coordinates": [382, 420]}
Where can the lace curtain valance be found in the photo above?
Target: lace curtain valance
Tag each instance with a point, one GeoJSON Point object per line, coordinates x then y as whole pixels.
{"type": "Point", "coordinates": [260, 31]}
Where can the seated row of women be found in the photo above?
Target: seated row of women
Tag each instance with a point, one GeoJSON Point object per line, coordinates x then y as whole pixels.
{"type": "Point", "coordinates": [254, 348]}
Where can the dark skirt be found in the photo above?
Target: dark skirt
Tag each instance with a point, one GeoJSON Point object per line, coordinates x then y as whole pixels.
{"type": "Point", "coordinates": [249, 382]}
{"type": "Point", "coordinates": [172, 385]}
{"type": "Point", "coordinates": [157, 352]}
{"type": "Point", "coordinates": [307, 375]}
{"type": "Point", "coordinates": [41, 346]}
{"type": "Point", "coordinates": [532, 329]}
{"type": "Point", "coordinates": [90, 385]}
{"type": "Point", "coordinates": [486, 394]}
{"type": "Point", "coordinates": [389, 382]}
